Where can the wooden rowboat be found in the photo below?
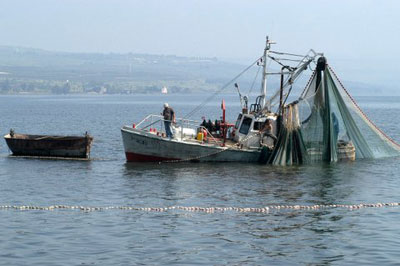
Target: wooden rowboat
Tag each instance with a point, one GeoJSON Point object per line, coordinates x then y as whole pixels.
{"type": "Point", "coordinates": [49, 146]}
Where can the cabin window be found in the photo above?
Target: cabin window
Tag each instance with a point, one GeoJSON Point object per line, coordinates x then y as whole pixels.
{"type": "Point", "coordinates": [257, 125]}
{"type": "Point", "coordinates": [244, 129]}
{"type": "Point", "coordinates": [238, 121]}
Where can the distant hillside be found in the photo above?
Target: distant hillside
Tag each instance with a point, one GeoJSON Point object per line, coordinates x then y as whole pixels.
{"type": "Point", "coordinates": [35, 70]}
{"type": "Point", "coordinates": [27, 70]}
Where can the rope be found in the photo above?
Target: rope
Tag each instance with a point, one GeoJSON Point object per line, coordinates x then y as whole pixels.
{"type": "Point", "coordinates": [286, 59]}
{"type": "Point", "coordinates": [282, 53]}
{"type": "Point", "coordinates": [194, 158]}
{"type": "Point", "coordinates": [247, 138]}
{"type": "Point", "coordinates": [265, 209]}
{"type": "Point", "coordinates": [285, 84]}
{"type": "Point", "coordinates": [361, 111]}
{"type": "Point", "coordinates": [208, 155]}
{"type": "Point", "coordinates": [276, 60]}
{"type": "Point", "coordinates": [308, 83]}
{"type": "Point", "coordinates": [219, 91]}
{"type": "Point", "coordinates": [254, 81]}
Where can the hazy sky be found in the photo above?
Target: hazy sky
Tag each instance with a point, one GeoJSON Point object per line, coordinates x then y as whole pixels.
{"type": "Point", "coordinates": [359, 35]}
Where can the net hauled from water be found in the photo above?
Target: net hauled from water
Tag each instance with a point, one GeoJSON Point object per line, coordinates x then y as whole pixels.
{"type": "Point", "coordinates": [326, 124]}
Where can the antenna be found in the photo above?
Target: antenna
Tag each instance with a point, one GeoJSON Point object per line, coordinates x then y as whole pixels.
{"type": "Point", "coordinates": [264, 80]}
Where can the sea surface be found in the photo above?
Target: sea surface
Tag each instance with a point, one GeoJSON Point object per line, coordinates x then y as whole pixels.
{"type": "Point", "coordinates": [337, 236]}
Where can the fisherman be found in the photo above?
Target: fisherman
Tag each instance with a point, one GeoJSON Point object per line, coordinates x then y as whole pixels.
{"type": "Point", "coordinates": [267, 130]}
{"type": "Point", "coordinates": [210, 126]}
{"type": "Point", "coordinates": [169, 116]}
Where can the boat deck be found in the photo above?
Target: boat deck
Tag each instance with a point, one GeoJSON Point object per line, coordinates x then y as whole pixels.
{"type": "Point", "coordinates": [228, 143]}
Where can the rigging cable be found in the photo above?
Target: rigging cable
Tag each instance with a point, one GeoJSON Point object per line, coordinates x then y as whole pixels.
{"type": "Point", "coordinates": [362, 112]}
{"type": "Point", "coordinates": [276, 60]}
{"type": "Point", "coordinates": [219, 91]}
{"type": "Point", "coordinates": [254, 81]}
{"type": "Point", "coordinates": [281, 53]}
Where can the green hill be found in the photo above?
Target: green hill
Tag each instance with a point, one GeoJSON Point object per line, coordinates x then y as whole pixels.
{"type": "Point", "coordinates": [26, 70]}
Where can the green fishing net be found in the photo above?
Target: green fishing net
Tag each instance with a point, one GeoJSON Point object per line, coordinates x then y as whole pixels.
{"type": "Point", "coordinates": [326, 124]}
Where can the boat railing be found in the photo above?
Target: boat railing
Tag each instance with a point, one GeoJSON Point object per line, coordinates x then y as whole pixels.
{"type": "Point", "coordinates": [151, 120]}
{"type": "Point", "coordinates": [157, 121]}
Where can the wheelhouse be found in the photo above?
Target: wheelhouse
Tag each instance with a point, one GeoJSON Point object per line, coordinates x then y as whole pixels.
{"type": "Point", "coordinates": [248, 128]}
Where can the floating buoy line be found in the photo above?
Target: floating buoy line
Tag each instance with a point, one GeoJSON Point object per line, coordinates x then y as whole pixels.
{"type": "Point", "coordinates": [266, 209]}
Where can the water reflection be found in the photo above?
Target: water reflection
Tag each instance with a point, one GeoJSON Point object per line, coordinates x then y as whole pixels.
{"type": "Point", "coordinates": [278, 234]}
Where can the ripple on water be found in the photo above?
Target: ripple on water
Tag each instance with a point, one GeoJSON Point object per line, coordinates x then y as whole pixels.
{"type": "Point", "coordinates": [72, 237]}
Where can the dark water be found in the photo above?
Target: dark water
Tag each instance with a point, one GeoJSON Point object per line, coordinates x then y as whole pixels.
{"type": "Point", "coordinates": [116, 237]}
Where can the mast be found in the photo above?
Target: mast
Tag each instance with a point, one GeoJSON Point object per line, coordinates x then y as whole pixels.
{"type": "Point", "coordinates": [264, 80]}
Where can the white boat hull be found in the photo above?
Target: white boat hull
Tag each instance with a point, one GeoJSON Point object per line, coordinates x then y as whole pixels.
{"type": "Point", "coordinates": [143, 146]}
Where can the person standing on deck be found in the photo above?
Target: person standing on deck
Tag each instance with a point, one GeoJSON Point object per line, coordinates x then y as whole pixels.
{"type": "Point", "coordinates": [267, 131]}
{"type": "Point", "coordinates": [169, 116]}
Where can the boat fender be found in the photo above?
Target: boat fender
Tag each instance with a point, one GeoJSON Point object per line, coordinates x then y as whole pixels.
{"type": "Point", "coordinates": [134, 125]}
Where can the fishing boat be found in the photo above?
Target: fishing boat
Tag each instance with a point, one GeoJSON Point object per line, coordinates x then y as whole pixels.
{"type": "Point", "coordinates": [322, 123]}
{"type": "Point", "coordinates": [49, 146]}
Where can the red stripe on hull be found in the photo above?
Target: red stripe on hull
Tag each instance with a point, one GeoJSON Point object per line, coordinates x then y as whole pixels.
{"type": "Point", "coordinates": [135, 157]}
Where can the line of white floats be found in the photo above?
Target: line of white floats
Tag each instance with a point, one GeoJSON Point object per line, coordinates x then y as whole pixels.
{"type": "Point", "coordinates": [265, 209]}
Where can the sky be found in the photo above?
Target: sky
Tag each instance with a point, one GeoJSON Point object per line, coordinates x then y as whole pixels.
{"type": "Point", "coordinates": [359, 37]}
